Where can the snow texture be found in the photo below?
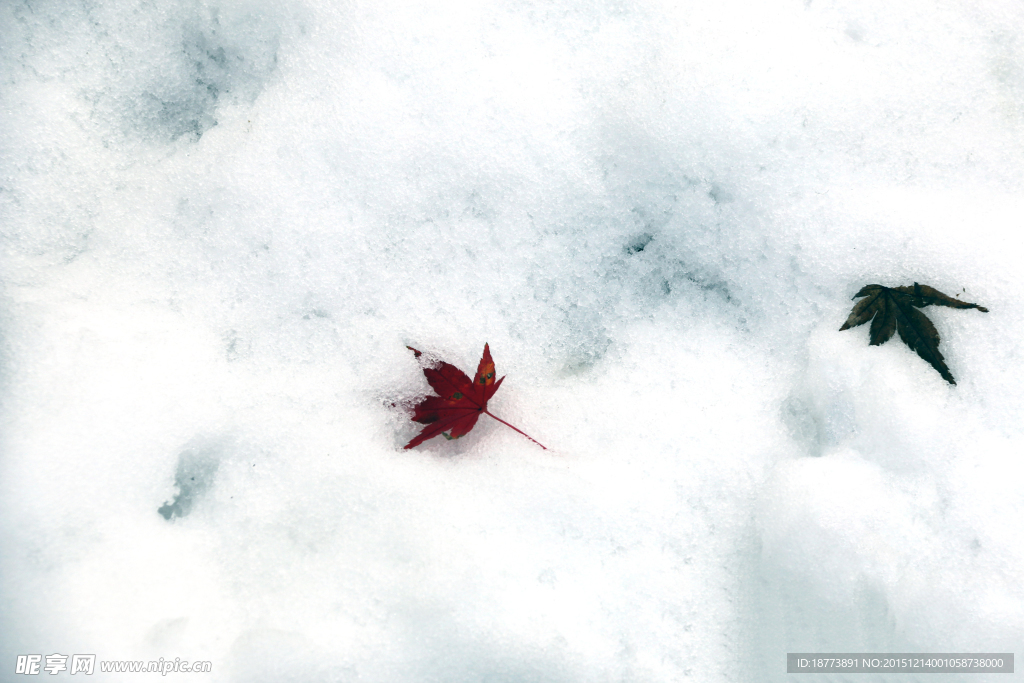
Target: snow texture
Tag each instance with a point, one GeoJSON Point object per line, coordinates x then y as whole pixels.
{"type": "Point", "coordinates": [222, 221]}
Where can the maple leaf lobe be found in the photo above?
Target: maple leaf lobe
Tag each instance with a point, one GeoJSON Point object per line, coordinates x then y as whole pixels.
{"type": "Point", "coordinates": [895, 309]}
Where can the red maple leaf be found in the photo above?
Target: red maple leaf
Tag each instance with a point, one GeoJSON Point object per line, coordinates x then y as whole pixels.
{"type": "Point", "coordinates": [459, 403]}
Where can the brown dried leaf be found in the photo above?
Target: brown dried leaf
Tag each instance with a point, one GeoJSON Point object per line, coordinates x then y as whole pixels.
{"type": "Point", "coordinates": [895, 309]}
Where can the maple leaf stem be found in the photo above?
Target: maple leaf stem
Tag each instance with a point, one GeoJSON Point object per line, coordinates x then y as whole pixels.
{"type": "Point", "coordinates": [515, 428]}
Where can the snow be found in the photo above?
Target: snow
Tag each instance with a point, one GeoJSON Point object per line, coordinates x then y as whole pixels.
{"type": "Point", "coordinates": [224, 220]}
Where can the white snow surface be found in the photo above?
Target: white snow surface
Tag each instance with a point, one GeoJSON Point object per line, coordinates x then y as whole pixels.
{"type": "Point", "coordinates": [223, 221]}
